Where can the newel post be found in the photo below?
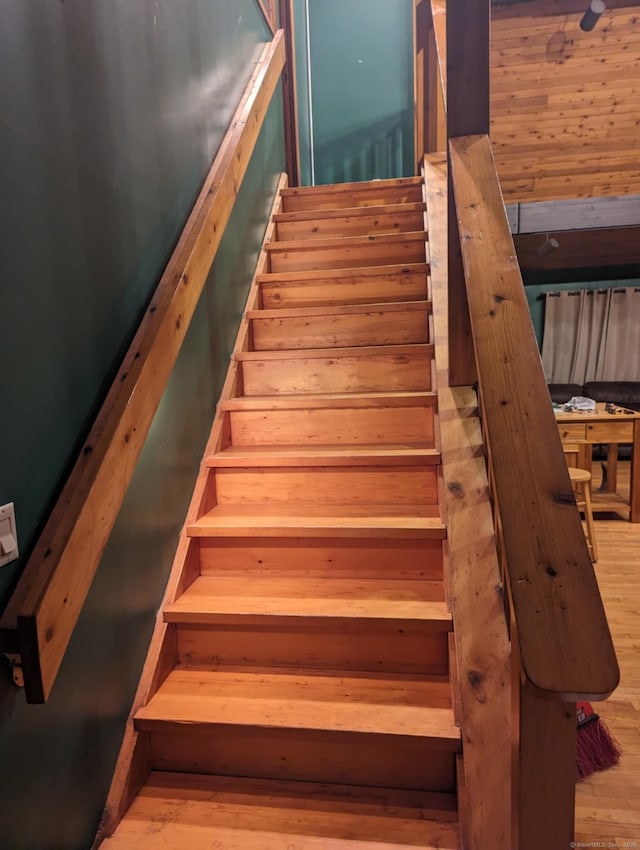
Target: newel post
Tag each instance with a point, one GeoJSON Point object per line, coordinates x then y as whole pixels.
{"type": "Point", "coordinates": [544, 768]}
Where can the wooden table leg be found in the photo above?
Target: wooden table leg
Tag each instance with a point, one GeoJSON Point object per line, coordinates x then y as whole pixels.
{"type": "Point", "coordinates": [612, 467]}
{"type": "Point", "coordinates": [634, 483]}
{"type": "Point", "coordinates": [585, 456]}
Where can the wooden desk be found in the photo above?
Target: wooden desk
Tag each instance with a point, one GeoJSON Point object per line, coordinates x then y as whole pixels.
{"type": "Point", "coordinates": [612, 429]}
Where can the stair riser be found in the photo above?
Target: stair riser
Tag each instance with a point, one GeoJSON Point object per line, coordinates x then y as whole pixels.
{"type": "Point", "coordinates": [340, 427]}
{"type": "Point", "coordinates": [338, 374]}
{"type": "Point", "coordinates": [365, 197]}
{"type": "Point", "coordinates": [366, 290]}
{"type": "Point", "coordinates": [384, 761]}
{"type": "Point", "coordinates": [388, 485]}
{"type": "Point", "coordinates": [324, 557]}
{"type": "Point", "coordinates": [362, 225]}
{"type": "Point", "coordinates": [376, 252]}
{"type": "Point", "coordinates": [319, 644]}
{"type": "Point", "coordinates": [374, 328]}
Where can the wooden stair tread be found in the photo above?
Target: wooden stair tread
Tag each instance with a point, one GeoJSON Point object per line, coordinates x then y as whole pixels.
{"type": "Point", "coordinates": [210, 596]}
{"type": "Point", "coordinates": [198, 812]}
{"type": "Point", "coordinates": [337, 512]}
{"type": "Point", "coordinates": [341, 310]}
{"type": "Point", "coordinates": [399, 269]}
{"type": "Point", "coordinates": [331, 400]}
{"type": "Point", "coordinates": [329, 243]}
{"type": "Point", "coordinates": [352, 221]}
{"type": "Point", "coordinates": [350, 212]}
{"type": "Point", "coordinates": [282, 456]}
{"type": "Point", "coordinates": [247, 520]}
{"type": "Point", "coordinates": [342, 188]}
{"type": "Point", "coordinates": [364, 351]}
{"type": "Point", "coordinates": [367, 703]}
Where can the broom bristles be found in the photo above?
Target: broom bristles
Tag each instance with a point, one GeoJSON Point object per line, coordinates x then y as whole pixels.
{"type": "Point", "coordinates": [597, 749]}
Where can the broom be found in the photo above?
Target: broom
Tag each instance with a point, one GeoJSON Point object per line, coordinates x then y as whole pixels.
{"type": "Point", "coordinates": [597, 749]}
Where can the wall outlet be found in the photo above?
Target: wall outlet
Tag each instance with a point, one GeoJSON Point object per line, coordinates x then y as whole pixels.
{"type": "Point", "coordinates": [8, 535]}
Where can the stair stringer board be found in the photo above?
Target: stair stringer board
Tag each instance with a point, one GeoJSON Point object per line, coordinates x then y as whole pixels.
{"type": "Point", "coordinates": [134, 765]}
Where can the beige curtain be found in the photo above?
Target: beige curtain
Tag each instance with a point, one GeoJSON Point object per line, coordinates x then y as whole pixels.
{"type": "Point", "coordinates": [592, 335]}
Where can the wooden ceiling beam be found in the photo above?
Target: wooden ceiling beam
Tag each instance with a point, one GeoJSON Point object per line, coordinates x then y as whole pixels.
{"type": "Point", "coordinates": [618, 246]}
{"type": "Point", "coordinates": [539, 8]}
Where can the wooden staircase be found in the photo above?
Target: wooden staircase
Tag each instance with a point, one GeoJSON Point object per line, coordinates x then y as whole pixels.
{"type": "Point", "coordinates": [302, 698]}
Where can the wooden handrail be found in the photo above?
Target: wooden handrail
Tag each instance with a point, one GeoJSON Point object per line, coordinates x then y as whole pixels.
{"type": "Point", "coordinates": [564, 641]}
{"type": "Point", "coordinates": [42, 613]}
{"type": "Point", "coordinates": [439, 18]}
{"type": "Point", "coordinates": [290, 93]}
{"type": "Point", "coordinates": [481, 663]}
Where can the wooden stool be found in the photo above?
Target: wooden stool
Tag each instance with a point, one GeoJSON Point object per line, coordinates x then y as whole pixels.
{"type": "Point", "coordinates": [581, 481]}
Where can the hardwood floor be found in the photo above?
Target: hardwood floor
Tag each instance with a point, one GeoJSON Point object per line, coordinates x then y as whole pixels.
{"type": "Point", "coordinates": [608, 803]}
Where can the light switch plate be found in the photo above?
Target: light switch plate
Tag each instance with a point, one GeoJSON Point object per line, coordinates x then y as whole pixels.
{"type": "Point", "coordinates": [8, 535]}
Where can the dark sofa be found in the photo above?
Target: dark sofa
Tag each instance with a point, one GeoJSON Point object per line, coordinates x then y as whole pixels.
{"type": "Point", "coordinates": [621, 393]}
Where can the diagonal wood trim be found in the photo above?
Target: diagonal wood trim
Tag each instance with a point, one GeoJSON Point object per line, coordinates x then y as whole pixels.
{"type": "Point", "coordinates": [268, 13]}
{"type": "Point", "coordinates": [439, 18]}
{"type": "Point", "coordinates": [49, 597]}
{"type": "Point", "coordinates": [290, 93]}
{"type": "Point", "coordinates": [565, 644]}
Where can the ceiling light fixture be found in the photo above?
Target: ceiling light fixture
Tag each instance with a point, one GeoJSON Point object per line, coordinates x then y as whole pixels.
{"type": "Point", "coordinates": [548, 246]}
{"type": "Point", "coordinates": [592, 15]}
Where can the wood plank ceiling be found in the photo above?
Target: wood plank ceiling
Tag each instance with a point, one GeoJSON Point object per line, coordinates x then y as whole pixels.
{"type": "Point", "coordinates": [565, 104]}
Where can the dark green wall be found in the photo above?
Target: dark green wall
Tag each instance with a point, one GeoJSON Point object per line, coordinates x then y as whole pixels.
{"type": "Point", "coordinates": [111, 115]}
{"type": "Point", "coordinates": [111, 112]}
{"type": "Point", "coordinates": [361, 88]}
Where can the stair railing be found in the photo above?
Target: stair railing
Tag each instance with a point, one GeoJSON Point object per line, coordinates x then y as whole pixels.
{"type": "Point", "coordinates": [562, 650]}
{"type": "Point", "coordinates": [36, 627]}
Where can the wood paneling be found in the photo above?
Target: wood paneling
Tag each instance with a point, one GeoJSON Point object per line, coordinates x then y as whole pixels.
{"type": "Point", "coordinates": [565, 104]}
